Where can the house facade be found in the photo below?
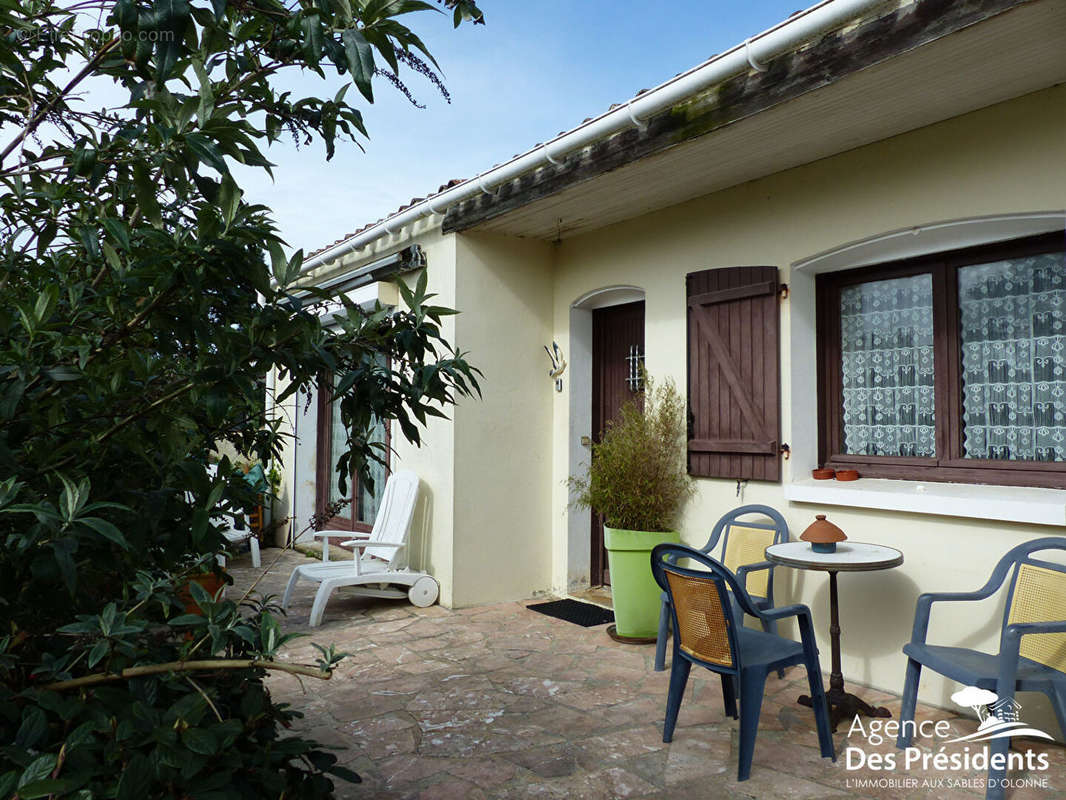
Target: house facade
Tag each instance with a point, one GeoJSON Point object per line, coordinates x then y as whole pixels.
{"type": "Point", "coordinates": [845, 236]}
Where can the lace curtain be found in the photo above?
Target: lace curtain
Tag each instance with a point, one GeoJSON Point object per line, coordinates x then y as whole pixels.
{"type": "Point", "coordinates": [887, 367]}
{"type": "Point", "coordinates": [1013, 330]}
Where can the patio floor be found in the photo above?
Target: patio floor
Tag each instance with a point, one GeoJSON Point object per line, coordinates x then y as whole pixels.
{"type": "Point", "coordinates": [502, 702]}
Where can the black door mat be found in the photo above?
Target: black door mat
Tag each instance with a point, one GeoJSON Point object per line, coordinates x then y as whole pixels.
{"type": "Point", "coordinates": [584, 614]}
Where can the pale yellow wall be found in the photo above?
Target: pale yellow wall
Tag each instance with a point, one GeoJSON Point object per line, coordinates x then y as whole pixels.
{"type": "Point", "coordinates": [482, 526]}
{"type": "Point", "coordinates": [431, 528]}
{"type": "Point", "coordinates": [503, 441]}
{"type": "Point", "coordinates": [1008, 158]}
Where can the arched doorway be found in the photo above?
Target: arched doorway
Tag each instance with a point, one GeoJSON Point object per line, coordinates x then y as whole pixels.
{"type": "Point", "coordinates": [607, 350]}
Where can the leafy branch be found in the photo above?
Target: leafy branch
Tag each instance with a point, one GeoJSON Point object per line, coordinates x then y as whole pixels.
{"type": "Point", "coordinates": [202, 665]}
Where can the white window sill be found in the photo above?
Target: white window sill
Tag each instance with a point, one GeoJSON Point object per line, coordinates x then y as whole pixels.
{"type": "Point", "coordinates": [1007, 503]}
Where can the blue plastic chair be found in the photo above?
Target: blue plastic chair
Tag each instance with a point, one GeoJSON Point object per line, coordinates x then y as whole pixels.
{"type": "Point", "coordinates": [743, 546]}
{"type": "Point", "coordinates": [1036, 604]}
{"type": "Point", "coordinates": [708, 632]}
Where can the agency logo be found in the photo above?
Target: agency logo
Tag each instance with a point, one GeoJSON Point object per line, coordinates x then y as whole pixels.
{"type": "Point", "coordinates": [998, 719]}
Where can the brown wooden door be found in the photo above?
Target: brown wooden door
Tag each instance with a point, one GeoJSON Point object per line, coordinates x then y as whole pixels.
{"type": "Point", "coordinates": [617, 355]}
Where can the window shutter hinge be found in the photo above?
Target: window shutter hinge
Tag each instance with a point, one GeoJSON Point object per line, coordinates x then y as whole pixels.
{"type": "Point", "coordinates": [783, 291]}
{"type": "Point", "coordinates": [786, 451]}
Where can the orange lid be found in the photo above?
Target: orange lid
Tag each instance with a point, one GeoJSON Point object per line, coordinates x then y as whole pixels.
{"type": "Point", "coordinates": [822, 531]}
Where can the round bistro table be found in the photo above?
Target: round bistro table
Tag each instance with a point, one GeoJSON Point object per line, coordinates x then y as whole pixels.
{"type": "Point", "coordinates": [849, 557]}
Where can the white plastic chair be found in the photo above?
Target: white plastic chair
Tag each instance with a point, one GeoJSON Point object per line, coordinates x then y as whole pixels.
{"type": "Point", "coordinates": [234, 536]}
{"type": "Point", "coordinates": [379, 563]}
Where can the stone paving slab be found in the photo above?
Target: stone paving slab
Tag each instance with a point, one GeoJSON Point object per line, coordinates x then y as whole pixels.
{"type": "Point", "coordinates": [501, 702]}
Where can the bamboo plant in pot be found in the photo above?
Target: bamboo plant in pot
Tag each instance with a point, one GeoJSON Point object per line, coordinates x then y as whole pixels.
{"type": "Point", "coordinates": [638, 480]}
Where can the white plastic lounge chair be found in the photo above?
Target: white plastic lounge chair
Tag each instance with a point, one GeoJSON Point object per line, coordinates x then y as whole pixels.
{"type": "Point", "coordinates": [234, 536]}
{"type": "Point", "coordinates": [378, 566]}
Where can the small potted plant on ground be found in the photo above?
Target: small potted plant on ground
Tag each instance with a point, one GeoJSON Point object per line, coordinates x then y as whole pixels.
{"type": "Point", "coordinates": [638, 481]}
{"type": "Point", "coordinates": [206, 574]}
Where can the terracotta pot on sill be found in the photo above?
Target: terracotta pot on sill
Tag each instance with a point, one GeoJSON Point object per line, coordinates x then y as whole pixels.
{"type": "Point", "coordinates": [823, 474]}
{"type": "Point", "coordinates": [847, 475]}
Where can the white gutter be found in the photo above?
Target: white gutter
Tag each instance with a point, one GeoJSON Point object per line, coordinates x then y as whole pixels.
{"type": "Point", "coordinates": [750, 54]}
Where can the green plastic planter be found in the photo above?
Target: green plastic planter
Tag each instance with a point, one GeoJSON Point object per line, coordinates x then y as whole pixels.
{"type": "Point", "coordinates": [633, 588]}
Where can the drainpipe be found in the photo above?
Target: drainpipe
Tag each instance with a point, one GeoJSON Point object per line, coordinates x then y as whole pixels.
{"type": "Point", "coordinates": [753, 53]}
{"type": "Point", "coordinates": [295, 487]}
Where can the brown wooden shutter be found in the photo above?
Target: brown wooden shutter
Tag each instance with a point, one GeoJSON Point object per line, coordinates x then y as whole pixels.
{"type": "Point", "coordinates": [734, 387]}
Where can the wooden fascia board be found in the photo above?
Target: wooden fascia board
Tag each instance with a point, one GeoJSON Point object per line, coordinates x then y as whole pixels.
{"type": "Point", "coordinates": [788, 76]}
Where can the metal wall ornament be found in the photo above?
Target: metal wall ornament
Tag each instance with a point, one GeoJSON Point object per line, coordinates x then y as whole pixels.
{"type": "Point", "coordinates": [558, 365]}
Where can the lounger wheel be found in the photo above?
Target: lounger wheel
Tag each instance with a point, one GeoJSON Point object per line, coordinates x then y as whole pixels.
{"type": "Point", "coordinates": [423, 592]}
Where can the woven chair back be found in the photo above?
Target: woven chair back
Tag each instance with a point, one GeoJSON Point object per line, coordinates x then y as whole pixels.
{"type": "Point", "coordinates": [1040, 596]}
{"type": "Point", "coordinates": [747, 545]}
{"type": "Point", "coordinates": [704, 616]}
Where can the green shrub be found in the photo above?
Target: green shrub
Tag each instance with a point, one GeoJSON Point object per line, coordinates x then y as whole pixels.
{"type": "Point", "coordinates": [173, 731]}
{"type": "Point", "coordinates": [142, 302]}
{"type": "Point", "coordinates": [638, 478]}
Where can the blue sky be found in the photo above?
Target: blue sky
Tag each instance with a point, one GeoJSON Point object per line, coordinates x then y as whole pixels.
{"type": "Point", "coordinates": [535, 69]}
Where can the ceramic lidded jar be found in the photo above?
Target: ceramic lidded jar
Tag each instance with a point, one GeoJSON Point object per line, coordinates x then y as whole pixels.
{"type": "Point", "coordinates": [823, 535]}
